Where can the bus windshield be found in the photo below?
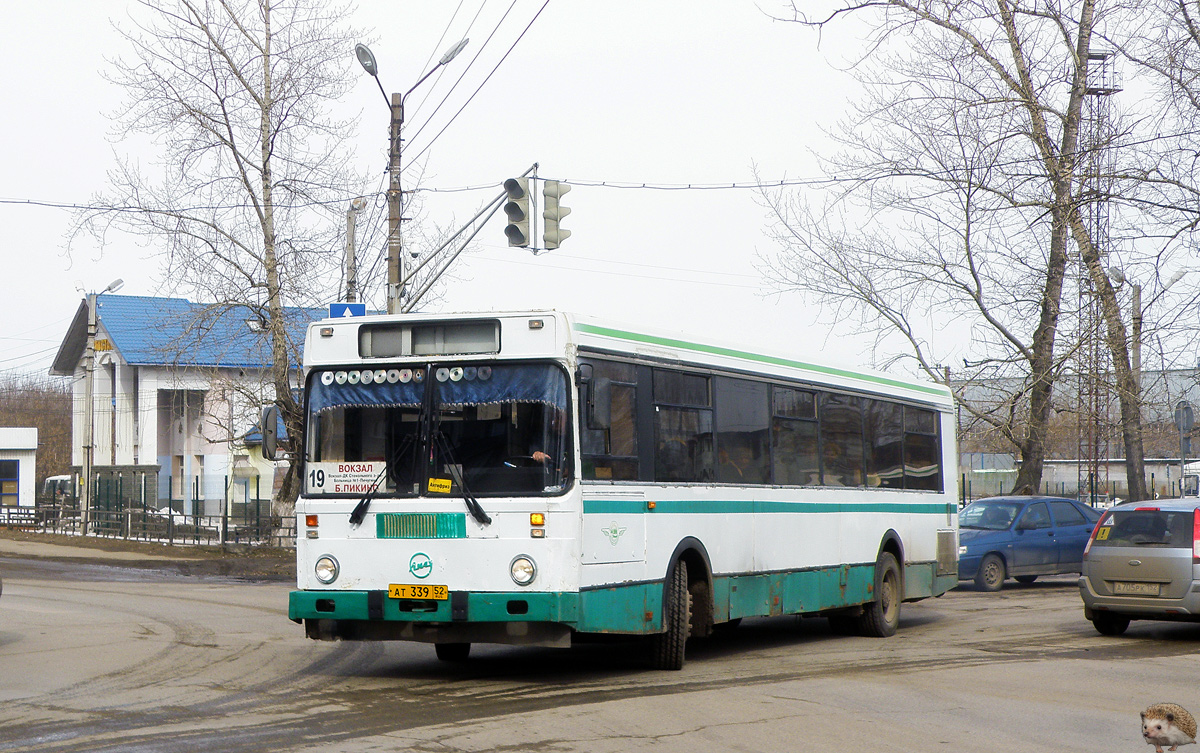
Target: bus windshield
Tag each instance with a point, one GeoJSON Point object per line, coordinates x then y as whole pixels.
{"type": "Point", "coordinates": [439, 430]}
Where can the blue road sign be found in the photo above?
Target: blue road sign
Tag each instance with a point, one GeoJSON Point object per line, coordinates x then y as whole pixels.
{"type": "Point", "coordinates": [339, 310]}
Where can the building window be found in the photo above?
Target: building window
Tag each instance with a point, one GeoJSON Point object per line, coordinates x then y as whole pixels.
{"type": "Point", "coordinates": [9, 471]}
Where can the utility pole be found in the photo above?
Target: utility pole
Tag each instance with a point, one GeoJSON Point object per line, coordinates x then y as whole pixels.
{"type": "Point", "coordinates": [86, 500]}
{"type": "Point", "coordinates": [395, 289]}
{"type": "Point", "coordinates": [351, 260]}
{"type": "Point", "coordinates": [89, 369]}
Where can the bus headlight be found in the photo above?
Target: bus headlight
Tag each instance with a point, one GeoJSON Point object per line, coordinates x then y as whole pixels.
{"type": "Point", "coordinates": [523, 570]}
{"type": "Point", "coordinates": [326, 569]}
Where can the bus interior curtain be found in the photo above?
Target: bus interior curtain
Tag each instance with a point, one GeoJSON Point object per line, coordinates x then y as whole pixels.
{"type": "Point", "coordinates": [521, 383]}
{"type": "Point", "coordinates": [387, 394]}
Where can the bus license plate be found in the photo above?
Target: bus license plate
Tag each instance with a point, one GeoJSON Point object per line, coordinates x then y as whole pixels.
{"type": "Point", "coordinates": [402, 591]}
{"type": "Point", "coordinates": [1135, 589]}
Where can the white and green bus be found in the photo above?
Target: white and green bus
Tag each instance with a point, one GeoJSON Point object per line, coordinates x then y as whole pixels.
{"type": "Point", "coordinates": [523, 478]}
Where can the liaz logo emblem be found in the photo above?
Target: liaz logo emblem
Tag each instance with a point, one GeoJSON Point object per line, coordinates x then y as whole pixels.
{"type": "Point", "coordinates": [614, 533]}
{"type": "Point", "coordinates": [420, 565]}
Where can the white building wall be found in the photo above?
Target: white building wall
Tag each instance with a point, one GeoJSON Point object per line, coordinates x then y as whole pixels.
{"type": "Point", "coordinates": [103, 414]}
{"type": "Point", "coordinates": [78, 411]}
{"type": "Point", "coordinates": [126, 416]}
{"type": "Point", "coordinates": [146, 422]}
{"type": "Point", "coordinates": [200, 443]}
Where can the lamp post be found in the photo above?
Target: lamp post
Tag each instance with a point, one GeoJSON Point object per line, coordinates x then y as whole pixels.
{"type": "Point", "coordinates": [395, 289]}
{"type": "Point", "coordinates": [89, 435]}
{"type": "Point", "coordinates": [351, 261]}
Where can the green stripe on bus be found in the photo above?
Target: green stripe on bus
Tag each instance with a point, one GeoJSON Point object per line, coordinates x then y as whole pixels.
{"type": "Point", "coordinates": [421, 525]}
{"type": "Point", "coordinates": [760, 358]}
{"type": "Point", "coordinates": [725, 507]}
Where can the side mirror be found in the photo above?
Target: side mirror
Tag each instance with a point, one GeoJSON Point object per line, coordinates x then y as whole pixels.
{"type": "Point", "coordinates": [270, 431]}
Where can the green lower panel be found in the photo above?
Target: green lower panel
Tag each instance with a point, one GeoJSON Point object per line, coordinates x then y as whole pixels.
{"type": "Point", "coordinates": [481, 607]}
{"type": "Point", "coordinates": [790, 593]}
{"type": "Point", "coordinates": [635, 608]}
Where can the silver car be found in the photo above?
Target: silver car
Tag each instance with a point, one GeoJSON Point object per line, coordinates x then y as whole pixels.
{"type": "Point", "coordinates": [1142, 562]}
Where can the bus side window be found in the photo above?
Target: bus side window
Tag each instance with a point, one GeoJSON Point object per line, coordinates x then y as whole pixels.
{"type": "Point", "coordinates": [841, 423]}
{"type": "Point", "coordinates": [742, 428]}
{"type": "Point", "coordinates": [683, 427]}
{"type": "Point", "coordinates": [922, 454]}
{"type": "Point", "coordinates": [794, 455]}
{"type": "Point", "coordinates": [608, 428]}
{"type": "Point", "coordinates": [885, 444]}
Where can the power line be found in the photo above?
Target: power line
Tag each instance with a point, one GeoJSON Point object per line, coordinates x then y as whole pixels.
{"type": "Point", "coordinates": [654, 266]}
{"type": "Point", "coordinates": [676, 278]}
{"type": "Point", "coordinates": [30, 356]}
{"type": "Point", "coordinates": [583, 182]}
{"type": "Point", "coordinates": [484, 82]}
{"type": "Point", "coordinates": [463, 73]}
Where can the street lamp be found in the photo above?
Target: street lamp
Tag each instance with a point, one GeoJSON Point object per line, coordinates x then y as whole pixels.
{"type": "Point", "coordinates": [395, 197]}
{"type": "Point", "coordinates": [89, 434]}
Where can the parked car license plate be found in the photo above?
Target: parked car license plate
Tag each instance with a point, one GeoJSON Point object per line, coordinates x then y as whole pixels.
{"type": "Point", "coordinates": [402, 591]}
{"type": "Point", "coordinates": [1135, 589]}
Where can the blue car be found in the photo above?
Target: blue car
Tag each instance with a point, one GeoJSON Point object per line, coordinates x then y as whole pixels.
{"type": "Point", "coordinates": [1022, 537]}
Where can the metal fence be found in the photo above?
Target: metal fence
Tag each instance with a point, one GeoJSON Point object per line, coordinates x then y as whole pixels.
{"type": "Point", "coordinates": [127, 506]}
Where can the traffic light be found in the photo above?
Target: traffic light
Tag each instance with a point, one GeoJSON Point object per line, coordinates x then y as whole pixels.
{"type": "Point", "coordinates": [517, 209]}
{"type": "Point", "coordinates": [552, 234]}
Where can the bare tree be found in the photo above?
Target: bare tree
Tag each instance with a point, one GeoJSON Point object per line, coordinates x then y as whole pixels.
{"type": "Point", "coordinates": [965, 157]}
{"type": "Point", "coordinates": [45, 404]}
{"type": "Point", "coordinates": [249, 192]}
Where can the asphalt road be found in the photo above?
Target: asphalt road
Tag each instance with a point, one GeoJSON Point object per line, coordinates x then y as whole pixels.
{"type": "Point", "coordinates": [103, 657]}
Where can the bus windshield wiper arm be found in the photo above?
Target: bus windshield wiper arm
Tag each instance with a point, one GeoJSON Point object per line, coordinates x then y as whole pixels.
{"type": "Point", "coordinates": [473, 505]}
{"type": "Point", "coordinates": [360, 510]}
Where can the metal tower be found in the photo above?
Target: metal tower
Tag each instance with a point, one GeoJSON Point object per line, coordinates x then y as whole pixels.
{"type": "Point", "coordinates": [1095, 430]}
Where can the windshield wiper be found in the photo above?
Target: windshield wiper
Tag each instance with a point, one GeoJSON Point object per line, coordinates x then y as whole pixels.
{"type": "Point", "coordinates": [473, 505]}
{"type": "Point", "coordinates": [360, 510]}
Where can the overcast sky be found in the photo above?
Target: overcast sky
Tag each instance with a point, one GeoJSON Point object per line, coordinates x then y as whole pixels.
{"type": "Point", "coordinates": [623, 92]}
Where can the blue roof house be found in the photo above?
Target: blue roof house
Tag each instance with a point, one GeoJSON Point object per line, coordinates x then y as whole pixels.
{"type": "Point", "coordinates": [176, 388]}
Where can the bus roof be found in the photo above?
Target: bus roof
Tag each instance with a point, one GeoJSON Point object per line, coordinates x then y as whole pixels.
{"type": "Point", "coordinates": [595, 334]}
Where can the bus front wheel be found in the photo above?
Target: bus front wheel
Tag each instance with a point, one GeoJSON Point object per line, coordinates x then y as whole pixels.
{"type": "Point", "coordinates": [881, 617]}
{"type": "Point", "coordinates": [667, 648]}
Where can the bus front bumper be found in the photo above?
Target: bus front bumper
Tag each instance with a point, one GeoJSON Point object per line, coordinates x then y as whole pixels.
{"type": "Point", "coordinates": [462, 606]}
{"type": "Point", "coordinates": [538, 619]}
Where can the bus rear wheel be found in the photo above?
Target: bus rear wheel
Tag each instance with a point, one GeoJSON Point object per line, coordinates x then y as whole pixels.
{"type": "Point", "coordinates": [452, 651]}
{"type": "Point", "coordinates": [667, 648]}
{"type": "Point", "coordinates": [881, 618]}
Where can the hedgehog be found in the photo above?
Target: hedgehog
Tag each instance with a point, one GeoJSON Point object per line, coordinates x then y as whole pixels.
{"type": "Point", "coordinates": [1168, 724]}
